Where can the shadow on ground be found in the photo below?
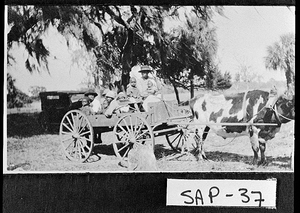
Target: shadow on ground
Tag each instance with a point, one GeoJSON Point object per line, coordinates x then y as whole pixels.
{"type": "Point", "coordinates": [107, 149]}
{"type": "Point", "coordinates": [23, 125]}
{"type": "Point", "coordinates": [26, 125]}
{"type": "Point", "coordinates": [216, 156]}
{"type": "Point", "coordinates": [160, 151]}
{"type": "Point", "coordinates": [104, 149]}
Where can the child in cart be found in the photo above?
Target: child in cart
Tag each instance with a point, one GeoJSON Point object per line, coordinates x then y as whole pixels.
{"type": "Point", "coordinates": [134, 94]}
{"type": "Point", "coordinates": [132, 91]}
{"type": "Point", "coordinates": [150, 94]}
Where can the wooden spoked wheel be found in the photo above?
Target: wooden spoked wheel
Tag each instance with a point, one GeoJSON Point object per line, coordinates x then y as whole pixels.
{"type": "Point", "coordinates": [76, 135]}
{"type": "Point", "coordinates": [177, 139]}
{"type": "Point", "coordinates": [131, 130]}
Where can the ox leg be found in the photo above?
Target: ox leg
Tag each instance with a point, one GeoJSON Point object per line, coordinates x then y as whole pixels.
{"type": "Point", "coordinates": [204, 135]}
{"type": "Point", "coordinates": [262, 147]}
{"type": "Point", "coordinates": [255, 158]}
{"type": "Point", "coordinates": [253, 131]}
{"type": "Point", "coordinates": [184, 148]}
{"type": "Point", "coordinates": [200, 154]}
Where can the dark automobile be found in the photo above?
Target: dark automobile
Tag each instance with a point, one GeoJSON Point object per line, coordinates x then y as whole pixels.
{"type": "Point", "coordinates": [55, 104]}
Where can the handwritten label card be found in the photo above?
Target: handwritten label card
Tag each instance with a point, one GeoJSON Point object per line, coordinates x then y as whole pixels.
{"type": "Point", "coordinates": [238, 193]}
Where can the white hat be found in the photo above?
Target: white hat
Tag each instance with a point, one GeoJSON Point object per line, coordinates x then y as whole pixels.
{"type": "Point", "coordinates": [145, 68]}
{"type": "Point", "coordinates": [110, 94]}
{"type": "Point", "coordinates": [105, 91]}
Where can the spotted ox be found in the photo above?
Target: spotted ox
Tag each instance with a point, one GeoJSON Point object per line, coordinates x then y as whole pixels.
{"type": "Point", "coordinates": [246, 107]}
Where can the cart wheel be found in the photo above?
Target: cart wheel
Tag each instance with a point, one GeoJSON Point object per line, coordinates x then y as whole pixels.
{"type": "Point", "coordinates": [130, 130]}
{"type": "Point", "coordinates": [177, 139]}
{"type": "Point", "coordinates": [76, 134]}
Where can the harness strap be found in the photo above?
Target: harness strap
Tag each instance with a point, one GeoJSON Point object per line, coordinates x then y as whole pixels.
{"type": "Point", "coordinates": [276, 114]}
{"type": "Point", "coordinates": [289, 119]}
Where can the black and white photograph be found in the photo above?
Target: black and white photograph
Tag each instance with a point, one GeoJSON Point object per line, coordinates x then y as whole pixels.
{"type": "Point", "coordinates": [131, 107]}
{"type": "Point", "coordinates": [145, 88]}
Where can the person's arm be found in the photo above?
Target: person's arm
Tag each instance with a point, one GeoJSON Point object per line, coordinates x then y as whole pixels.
{"type": "Point", "coordinates": [152, 90]}
{"type": "Point", "coordinates": [145, 94]}
{"type": "Point", "coordinates": [129, 92]}
{"type": "Point", "coordinates": [137, 93]}
{"type": "Point", "coordinates": [112, 106]}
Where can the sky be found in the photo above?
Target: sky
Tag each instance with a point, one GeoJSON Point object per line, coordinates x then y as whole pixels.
{"type": "Point", "coordinates": [243, 36]}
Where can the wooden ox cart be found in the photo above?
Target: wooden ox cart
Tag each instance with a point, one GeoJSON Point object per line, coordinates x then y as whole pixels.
{"type": "Point", "coordinates": [78, 130]}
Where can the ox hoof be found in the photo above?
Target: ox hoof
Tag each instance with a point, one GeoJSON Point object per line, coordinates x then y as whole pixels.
{"type": "Point", "coordinates": [262, 163]}
{"type": "Point", "coordinates": [201, 157]}
{"type": "Point", "coordinates": [123, 164]}
{"type": "Point", "coordinates": [254, 162]}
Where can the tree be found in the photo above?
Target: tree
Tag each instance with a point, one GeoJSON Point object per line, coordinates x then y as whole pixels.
{"type": "Point", "coordinates": [281, 55]}
{"type": "Point", "coordinates": [132, 34]}
{"type": "Point", "coordinates": [35, 91]}
{"type": "Point", "coordinates": [222, 81]}
{"type": "Point", "coordinates": [15, 97]}
{"type": "Point", "coordinates": [216, 80]}
{"type": "Point", "coordinates": [143, 26]}
{"type": "Point", "coordinates": [28, 23]}
{"type": "Point", "coordinates": [246, 74]}
{"type": "Point", "coordinates": [190, 50]}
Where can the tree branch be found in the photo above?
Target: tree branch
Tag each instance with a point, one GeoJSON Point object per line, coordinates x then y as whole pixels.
{"type": "Point", "coordinates": [118, 18]}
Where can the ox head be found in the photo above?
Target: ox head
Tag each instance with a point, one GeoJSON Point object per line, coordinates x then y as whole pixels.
{"type": "Point", "coordinates": [285, 106]}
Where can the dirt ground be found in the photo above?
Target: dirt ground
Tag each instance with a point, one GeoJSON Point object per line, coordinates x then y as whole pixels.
{"type": "Point", "coordinates": [30, 149]}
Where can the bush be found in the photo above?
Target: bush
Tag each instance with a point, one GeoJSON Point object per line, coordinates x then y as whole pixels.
{"type": "Point", "coordinates": [15, 97]}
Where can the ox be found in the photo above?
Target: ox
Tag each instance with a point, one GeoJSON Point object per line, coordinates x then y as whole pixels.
{"type": "Point", "coordinates": [252, 107]}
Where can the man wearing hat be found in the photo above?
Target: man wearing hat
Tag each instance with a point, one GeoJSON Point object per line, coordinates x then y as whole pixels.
{"type": "Point", "coordinates": [95, 103]}
{"type": "Point", "coordinates": [149, 97]}
{"type": "Point", "coordinates": [145, 70]}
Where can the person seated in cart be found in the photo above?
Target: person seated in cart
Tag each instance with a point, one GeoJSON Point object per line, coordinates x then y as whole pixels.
{"type": "Point", "coordinates": [85, 108]}
{"type": "Point", "coordinates": [122, 98]}
{"type": "Point", "coordinates": [143, 81]}
{"type": "Point", "coordinates": [95, 104]}
{"type": "Point", "coordinates": [149, 90]}
{"type": "Point", "coordinates": [134, 94]}
{"type": "Point", "coordinates": [109, 97]}
{"type": "Point", "coordinates": [103, 94]}
{"type": "Point", "coordinates": [115, 106]}
{"type": "Point", "coordinates": [151, 95]}
{"type": "Point", "coordinates": [132, 91]}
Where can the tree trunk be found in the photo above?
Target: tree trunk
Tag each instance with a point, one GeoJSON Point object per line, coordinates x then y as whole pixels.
{"type": "Point", "coordinates": [192, 92]}
{"type": "Point", "coordinates": [127, 59]}
{"type": "Point", "coordinates": [289, 76]}
{"type": "Point", "coordinates": [176, 92]}
{"type": "Point", "coordinates": [125, 80]}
